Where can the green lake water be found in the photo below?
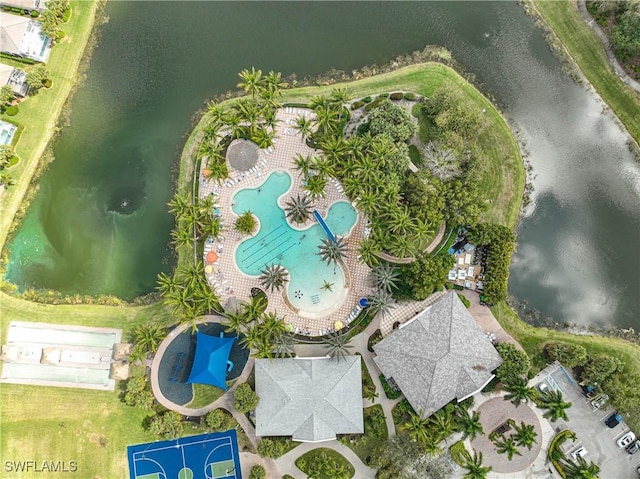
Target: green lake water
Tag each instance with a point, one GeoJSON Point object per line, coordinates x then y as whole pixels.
{"type": "Point", "coordinates": [99, 224]}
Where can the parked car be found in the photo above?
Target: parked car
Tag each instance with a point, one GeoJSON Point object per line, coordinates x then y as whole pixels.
{"type": "Point", "coordinates": [580, 452]}
{"type": "Point", "coordinates": [626, 439]}
{"type": "Point", "coordinates": [543, 388]}
{"type": "Point", "coordinates": [634, 447]}
{"type": "Point", "coordinates": [600, 401]}
{"type": "Point", "coordinates": [613, 420]}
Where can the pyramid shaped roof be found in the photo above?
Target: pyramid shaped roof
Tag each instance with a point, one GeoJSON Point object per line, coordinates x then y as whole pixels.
{"type": "Point", "coordinates": [210, 363]}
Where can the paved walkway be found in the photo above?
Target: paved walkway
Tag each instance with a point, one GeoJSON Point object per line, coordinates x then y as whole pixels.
{"type": "Point", "coordinates": [613, 60]}
{"type": "Point", "coordinates": [286, 464]}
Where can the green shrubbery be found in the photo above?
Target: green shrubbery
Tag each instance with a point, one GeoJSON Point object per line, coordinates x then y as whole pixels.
{"type": "Point", "coordinates": [12, 110]}
{"type": "Point", "coordinates": [275, 447]}
{"type": "Point", "coordinates": [515, 362]}
{"type": "Point", "coordinates": [459, 453]}
{"type": "Point", "coordinates": [17, 58]}
{"type": "Point", "coordinates": [357, 104]}
{"type": "Point", "coordinates": [388, 390]}
{"type": "Point", "coordinates": [500, 242]}
{"type": "Point", "coordinates": [571, 355]}
{"type": "Point", "coordinates": [410, 96]}
{"type": "Point", "coordinates": [396, 96]}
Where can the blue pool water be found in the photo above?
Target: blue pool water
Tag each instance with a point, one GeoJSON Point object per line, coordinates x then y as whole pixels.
{"type": "Point", "coordinates": [297, 250]}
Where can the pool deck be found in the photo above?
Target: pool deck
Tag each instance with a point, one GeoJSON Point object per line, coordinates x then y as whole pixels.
{"type": "Point", "coordinates": [229, 281]}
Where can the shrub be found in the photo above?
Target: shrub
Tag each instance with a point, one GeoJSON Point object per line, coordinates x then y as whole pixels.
{"type": "Point", "coordinates": [246, 398]}
{"type": "Point", "coordinates": [396, 96]}
{"type": "Point", "coordinates": [357, 104]}
{"type": "Point", "coordinates": [367, 99]}
{"type": "Point", "coordinates": [383, 95]}
{"type": "Point", "coordinates": [388, 390]}
{"type": "Point", "coordinates": [363, 128]}
{"type": "Point", "coordinates": [47, 83]}
{"type": "Point", "coordinates": [464, 300]}
{"type": "Point", "coordinates": [393, 120]}
{"type": "Point", "coordinates": [66, 15]}
{"type": "Point", "coordinates": [374, 103]}
{"type": "Point", "coordinates": [61, 35]}
{"type": "Point", "coordinates": [257, 472]}
{"type": "Point", "coordinates": [275, 447]}
{"type": "Point", "coordinates": [571, 355]}
{"type": "Point", "coordinates": [35, 13]}
{"type": "Point", "coordinates": [12, 110]}
{"type": "Point", "coordinates": [16, 58]}
{"type": "Point", "coordinates": [219, 420]}
{"type": "Point", "coordinates": [600, 368]}
{"type": "Point", "coordinates": [410, 96]}
{"type": "Point", "coordinates": [515, 362]}
{"type": "Point", "coordinates": [459, 453]}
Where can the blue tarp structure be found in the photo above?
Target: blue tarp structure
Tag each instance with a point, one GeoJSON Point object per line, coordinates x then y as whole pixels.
{"type": "Point", "coordinates": [210, 363]}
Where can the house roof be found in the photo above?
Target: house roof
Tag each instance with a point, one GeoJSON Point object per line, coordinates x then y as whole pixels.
{"type": "Point", "coordinates": [440, 355]}
{"type": "Point", "coordinates": [15, 78]}
{"type": "Point", "coordinates": [23, 36]}
{"type": "Point", "coordinates": [26, 4]}
{"type": "Point", "coordinates": [310, 399]}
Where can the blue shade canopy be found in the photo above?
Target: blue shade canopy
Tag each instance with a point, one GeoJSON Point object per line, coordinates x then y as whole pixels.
{"type": "Point", "coordinates": [210, 363]}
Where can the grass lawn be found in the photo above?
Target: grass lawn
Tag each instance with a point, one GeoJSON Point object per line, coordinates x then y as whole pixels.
{"type": "Point", "coordinates": [203, 395]}
{"type": "Point", "coordinates": [39, 114]}
{"type": "Point", "coordinates": [588, 52]}
{"type": "Point", "coordinates": [317, 461]}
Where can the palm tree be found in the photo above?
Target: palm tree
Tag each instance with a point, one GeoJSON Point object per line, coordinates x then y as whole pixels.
{"type": "Point", "coordinates": [555, 405]}
{"type": "Point", "coordinates": [255, 308]}
{"type": "Point", "coordinates": [182, 236]}
{"type": "Point", "coordinates": [518, 390]}
{"type": "Point", "coordinates": [338, 346]}
{"type": "Point", "coordinates": [368, 251]}
{"type": "Point", "coordinates": [381, 302]}
{"type": "Point", "coordinates": [326, 118]}
{"type": "Point", "coordinates": [525, 435]}
{"type": "Point", "coordinates": [148, 336]}
{"type": "Point", "coordinates": [444, 425]}
{"type": "Point", "coordinates": [252, 337]}
{"type": "Point", "coordinates": [216, 112]}
{"type": "Point", "coordinates": [298, 209]}
{"type": "Point", "coordinates": [581, 469]}
{"type": "Point", "coordinates": [303, 164]}
{"type": "Point", "coordinates": [211, 228]}
{"type": "Point", "coordinates": [167, 285]}
{"type": "Point", "coordinates": [385, 277]}
{"type": "Point", "coordinates": [274, 277]}
{"type": "Point", "coordinates": [470, 425]}
{"type": "Point", "coordinates": [236, 321]}
{"type": "Point", "coordinates": [271, 326]}
{"type": "Point", "coordinates": [333, 251]}
{"type": "Point", "coordinates": [474, 467]}
{"type": "Point", "coordinates": [273, 82]}
{"type": "Point", "coordinates": [6, 180]}
{"type": "Point", "coordinates": [246, 223]}
{"type": "Point", "coordinates": [262, 137]}
{"type": "Point", "coordinates": [371, 394]}
{"type": "Point", "coordinates": [400, 220]}
{"type": "Point", "coordinates": [251, 81]}
{"type": "Point", "coordinates": [416, 427]}
{"type": "Point", "coordinates": [303, 126]}
{"type": "Point", "coordinates": [339, 96]}
{"type": "Point", "coordinates": [179, 205]}
{"type": "Point", "coordinates": [327, 286]}
{"type": "Point", "coordinates": [282, 345]}
{"type": "Point", "coordinates": [507, 446]}
{"type": "Point", "coordinates": [316, 185]}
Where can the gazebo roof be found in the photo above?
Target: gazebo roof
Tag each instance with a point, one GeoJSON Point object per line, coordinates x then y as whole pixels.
{"type": "Point", "coordinates": [210, 363]}
{"type": "Point", "coordinates": [242, 154]}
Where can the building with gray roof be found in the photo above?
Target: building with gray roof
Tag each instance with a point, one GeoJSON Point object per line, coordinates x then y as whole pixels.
{"type": "Point", "coordinates": [439, 355]}
{"type": "Point", "coordinates": [310, 399]}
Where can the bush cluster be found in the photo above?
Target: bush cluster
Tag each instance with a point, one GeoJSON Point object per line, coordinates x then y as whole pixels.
{"type": "Point", "coordinates": [388, 390]}
{"type": "Point", "coordinates": [396, 96]}
{"type": "Point", "coordinates": [501, 244]}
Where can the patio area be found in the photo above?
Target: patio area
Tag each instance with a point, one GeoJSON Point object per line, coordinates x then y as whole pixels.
{"type": "Point", "coordinates": [220, 267]}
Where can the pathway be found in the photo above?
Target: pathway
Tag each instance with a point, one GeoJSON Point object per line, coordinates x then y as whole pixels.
{"type": "Point", "coordinates": [286, 463]}
{"type": "Point", "coordinates": [613, 60]}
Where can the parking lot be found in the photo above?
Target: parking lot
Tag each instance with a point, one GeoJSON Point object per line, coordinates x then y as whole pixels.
{"type": "Point", "coordinates": [589, 426]}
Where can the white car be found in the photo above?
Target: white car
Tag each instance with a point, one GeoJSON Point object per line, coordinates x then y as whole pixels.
{"type": "Point", "coordinates": [626, 439]}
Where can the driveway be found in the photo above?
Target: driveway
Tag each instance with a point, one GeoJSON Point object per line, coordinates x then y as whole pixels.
{"type": "Point", "coordinates": [589, 426]}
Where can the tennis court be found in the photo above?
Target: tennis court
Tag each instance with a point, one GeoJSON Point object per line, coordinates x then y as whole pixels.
{"type": "Point", "coordinates": [207, 456]}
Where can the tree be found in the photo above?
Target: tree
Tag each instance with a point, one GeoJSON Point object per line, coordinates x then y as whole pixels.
{"type": "Point", "coordinates": [304, 126]}
{"type": "Point", "coordinates": [426, 275]}
{"type": "Point", "coordinates": [474, 467]}
{"type": "Point", "coordinates": [316, 185]}
{"type": "Point", "coordinates": [441, 161]}
{"type": "Point", "coordinates": [282, 345]}
{"type": "Point", "coordinates": [258, 472]}
{"type": "Point", "coordinates": [298, 209]}
{"type": "Point", "coordinates": [148, 336]}
{"type": "Point", "coordinates": [245, 399]}
{"type": "Point", "coordinates": [580, 469]}
{"type": "Point", "coordinates": [600, 368]}
{"type": "Point", "coordinates": [333, 251]}
{"type": "Point", "coordinates": [251, 81]}
{"type": "Point", "coordinates": [219, 420]}
{"type": "Point", "coordinates": [274, 277]}
{"type": "Point", "coordinates": [507, 446]}
{"type": "Point", "coordinates": [570, 355]}
{"type": "Point", "coordinates": [6, 180]}
{"type": "Point", "coordinates": [168, 425]}
{"type": "Point", "coordinates": [393, 120]}
{"type": "Point", "coordinates": [6, 95]}
{"type": "Point", "coordinates": [385, 276]}
{"type": "Point", "coordinates": [368, 251]}
{"type": "Point", "coordinates": [555, 405]}
{"type": "Point", "coordinates": [515, 363]}
{"type": "Point", "coordinates": [50, 23]}
{"type": "Point", "coordinates": [525, 435]}
{"type": "Point", "coordinates": [36, 76]}
{"type": "Point", "coordinates": [518, 390]}
{"type": "Point", "coordinates": [337, 345]}
{"type": "Point", "coordinates": [246, 223]}
{"type": "Point", "coordinates": [470, 425]}
{"type": "Point", "coordinates": [137, 393]}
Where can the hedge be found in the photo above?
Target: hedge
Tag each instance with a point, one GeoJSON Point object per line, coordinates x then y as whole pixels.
{"type": "Point", "coordinates": [357, 104]}
{"type": "Point", "coordinates": [396, 96]}
{"type": "Point", "coordinates": [17, 58]}
{"type": "Point", "coordinates": [374, 103]}
{"type": "Point", "coordinates": [409, 96]}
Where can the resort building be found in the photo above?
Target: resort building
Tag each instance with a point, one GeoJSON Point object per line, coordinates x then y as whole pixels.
{"type": "Point", "coordinates": [439, 355]}
{"type": "Point", "coordinates": [15, 78]}
{"type": "Point", "coordinates": [29, 5]}
{"type": "Point", "coordinates": [310, 399]}
{"type": "Point", "coordinates": [23, 37]}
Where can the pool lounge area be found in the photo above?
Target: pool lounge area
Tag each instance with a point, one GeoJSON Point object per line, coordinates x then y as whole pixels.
{"type": "Point", "coordinates": [233, 268]}
{"type": "Point", "coordinates": [59, 355]}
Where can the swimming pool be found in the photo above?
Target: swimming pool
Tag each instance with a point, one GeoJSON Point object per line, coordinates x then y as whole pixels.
{"type": "Point", "coordinates": [315, 288]}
